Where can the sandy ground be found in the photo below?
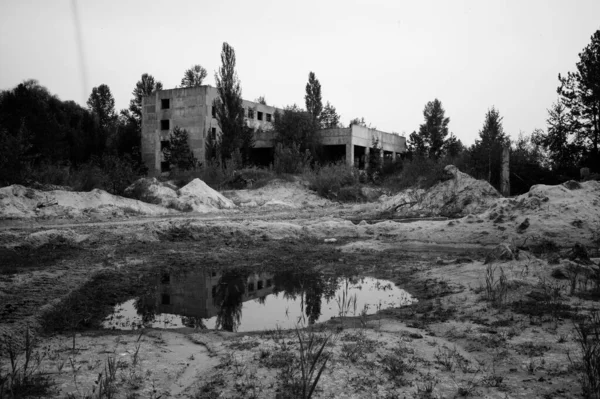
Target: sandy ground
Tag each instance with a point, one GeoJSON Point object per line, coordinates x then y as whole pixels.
{"type": "Point", "coordinates": [454, 342]}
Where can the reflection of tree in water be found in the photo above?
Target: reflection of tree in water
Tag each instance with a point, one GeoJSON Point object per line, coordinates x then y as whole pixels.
{"type": "Point", "coordinates": [310, 286]}
{"type": "Point", "coordinates": [229, 297]}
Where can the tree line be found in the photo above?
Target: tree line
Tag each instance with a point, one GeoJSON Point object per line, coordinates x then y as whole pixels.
{"type": "Point", "coordinates": [39, 133]}
{"type": "Point", "coordinates": [569, 142]}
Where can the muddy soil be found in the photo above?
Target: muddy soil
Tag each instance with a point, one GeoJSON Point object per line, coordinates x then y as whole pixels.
{"type": "Point", "coordinates": [60, 280]}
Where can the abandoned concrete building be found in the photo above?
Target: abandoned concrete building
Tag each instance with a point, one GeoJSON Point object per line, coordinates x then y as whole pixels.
{"type": "Point", "coordinates": [191, 109]}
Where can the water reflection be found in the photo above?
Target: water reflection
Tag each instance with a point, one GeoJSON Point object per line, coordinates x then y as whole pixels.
{"type": "Point", "coordinates": [243, 301]}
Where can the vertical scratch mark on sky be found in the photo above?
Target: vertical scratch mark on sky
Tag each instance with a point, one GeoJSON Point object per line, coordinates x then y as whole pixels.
{"type": "Point", "coordinates": [79, 40]}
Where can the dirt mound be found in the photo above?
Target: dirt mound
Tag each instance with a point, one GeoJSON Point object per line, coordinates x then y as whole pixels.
{"type": "Point", "coordinates": [458, 195]}
{"type": "Point", "coordinates": [196, 196]}
{"type": "Point", "coordinates": [18, 202]}
{"type": "Point", "coordinates": [560, 212]}
{"type": "Point", "coordinates": [152, 191]}
{"type": "Point", "coordinates": [278, 193]}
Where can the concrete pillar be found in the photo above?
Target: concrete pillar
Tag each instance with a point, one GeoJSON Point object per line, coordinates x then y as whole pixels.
{"type": "Point", "coordinates": [505, 178]}
{"type": "Point", "coordinates": [350, 154]}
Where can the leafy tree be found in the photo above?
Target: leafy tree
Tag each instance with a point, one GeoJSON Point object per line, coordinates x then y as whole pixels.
{"type": "Point", "coordinates": [453, 147]}
{"type": "Point", "coordinates": [194, 76]}
{"type": "Point", "coordinates": [562, 152]}
{"type": "Point", "coordinates": [314, 105]}
{"type": "Point", "coordinates": [296, 127]}
{"type": "Point", "coordinates": [580, 94]}
{"type": "Point", "coordinates": [487, 151]}
{"type": "Point", "coordinates": [329, 117]}
{"type": "Point", "coordinates": [416, 145]}
{"type": "Point", "coordinates": [228, 106]}
{"type": "Point", "coordinates": [527, 165]}
{"type": "Point", "coordinates": [102, 104]}
{"type": "Point", "coordinates": [13, 150]}
{"type": "Point", "coordinates": [178, 153]}
{"type": "Point", "coordinates": [433, 133]}
{"type": "Point", "coordinates": [358, 121]}
{"type": "Point", "coordinates": [374, 161]}
{"type": "Point", "coordinates": [145, 86]}
{"type": "Point", "coordinates": [261, 100]}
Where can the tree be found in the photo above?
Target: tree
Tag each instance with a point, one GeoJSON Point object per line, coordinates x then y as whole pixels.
{"type": "Point", "coordinates": [434, 131]}
{"type": "Point", "coordinates": [580, 94]}
{"type": "Point", "coordinates": [453, 147]}
{"type": "Point", "coordinates": [562, 152]}
{"type": "Point", "coordinates": [487, 150]}
{"type": "Point", "coordinates": [374, 161]}
{"type": "Point", "coordinates": [358, 121]}
{"type": "Point", "coordinates": [228, 105]}
{"type": "Point", "coordinates": [102, 104]}
{"type": "Point", "coordinates": [314, 106]}
{"type": "Point", "coordinates": [145, 86]}
{"type": "Point", "coordinates": [261, 100]}
{"type": "Point", "coordinates": [194, 76]}
{"type": "Point", "coordinates": [416, 145]}
{"type": "Point", "coordinates": [296, 127]}
{"type": "Point", "coordinates": [329, 117]}
{"type": "Point", "coordinates": [178, 153]}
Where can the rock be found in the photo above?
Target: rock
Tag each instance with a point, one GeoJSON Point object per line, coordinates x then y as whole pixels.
{"type": "Point", "coordinates": [523, 226]}
{"type": "Point", "coordinates": [572, 185]}
{"type": "Point", "coordinates": [330, 240]}
{"type": "Point", "coordinates": [502, 251]}
{"type": "Point", "coordinates": [579, 253]}
{"type": "Point", "coordinates": [249, 204]}
{"type": "Point", "coordinates": [568, 270]}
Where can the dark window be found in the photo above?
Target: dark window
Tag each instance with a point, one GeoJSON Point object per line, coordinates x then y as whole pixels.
{"type": "Point", "coordinates": [269, 283]}
{"type": "Point", "coordinates": [259, 115]}
{"type": "Point", "coordinates": [165, 167]}
{"type": "Point", "coordinates": [214, 291]}
{"type": "Point", "coordinates": [166, 299]}
{"type": "Point", "coordinates": [259, 285]}
{"type": "Point", "coordinates": [244, 111]}
{"type": "Point", "coordinates": [214, 274]}
{"type": "Point", "coordinates": [165, 103]}
{"type": "Point", "coordinates": [165, 278]}
{"type": "Point", "coordinates": [268, 117]}
{"type": "Point", "coordinates": [250, 113]}
{"type": "Point", "coordinates": [214, 132]}
{"type": "Point", "coordinates": [250, 287]}
{"type": "Point", "coordinates": [214, 112]}
{"type": "Point", "coordinates": [165, 124]}
{"type": "Point", "coordinates": [164, 144]}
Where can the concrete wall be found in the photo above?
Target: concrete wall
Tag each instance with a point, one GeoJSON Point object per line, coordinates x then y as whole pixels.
{"type": "Point", "coordinates": [362, 136]}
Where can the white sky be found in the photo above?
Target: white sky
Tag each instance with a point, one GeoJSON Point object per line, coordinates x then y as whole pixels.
{"type": "Point", "coordinates": [381, 60]}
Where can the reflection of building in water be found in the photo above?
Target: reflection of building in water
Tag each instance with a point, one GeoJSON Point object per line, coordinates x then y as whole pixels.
{"type": "Point", "coordinates": [200, 294]}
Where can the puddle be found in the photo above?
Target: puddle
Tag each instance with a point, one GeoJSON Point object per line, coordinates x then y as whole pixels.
{"type": "Point", "coordinates": [253, 302]}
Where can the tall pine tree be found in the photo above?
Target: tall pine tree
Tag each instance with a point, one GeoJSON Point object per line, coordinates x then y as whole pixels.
{"type": "Point", "coordinates": [228, 105]}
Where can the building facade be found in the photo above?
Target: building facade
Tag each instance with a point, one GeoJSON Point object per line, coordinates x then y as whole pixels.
{"type": "Point", "coordinates": [191, 109]}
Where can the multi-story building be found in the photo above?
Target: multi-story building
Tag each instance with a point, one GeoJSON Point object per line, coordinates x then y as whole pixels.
{"type": "Point", "coordinates": [191, 109]}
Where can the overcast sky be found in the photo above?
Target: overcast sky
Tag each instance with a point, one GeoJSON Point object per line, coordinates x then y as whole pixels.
{"type": "Point", "coordinates": [381, 60]}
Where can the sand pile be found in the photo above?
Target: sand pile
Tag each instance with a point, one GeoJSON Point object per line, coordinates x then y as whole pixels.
{"type": "Point", "coordinates": [458, 195]}
{"type": "Point", "coordinates": [196, 196]}
{"type": "Point", "coordinates": [21, 202]}
{"type": "Point", "coordinates": [278, 193]}
{"type": "Point", "coordinates": [560, 212]}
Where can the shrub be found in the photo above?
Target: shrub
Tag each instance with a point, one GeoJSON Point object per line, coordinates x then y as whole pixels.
{"type": "Point", "coordinates": [421, 172]}
{"type": "Point", "coordinates": [178, 153]}
{"type": "Point", "coordinates": [290, 159]}
{"type": "Point", "coordinates": [330, 179]}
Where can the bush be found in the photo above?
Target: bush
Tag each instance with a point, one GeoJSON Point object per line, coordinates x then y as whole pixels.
{"type": "Point", "coordinates": [109, 172]}
{"type": "Point", "coordinates": [290, 159]}
{"type": "Point", "coordinates": [329, 180]}
{"type": "Point", "coordinates": [421, 172]}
